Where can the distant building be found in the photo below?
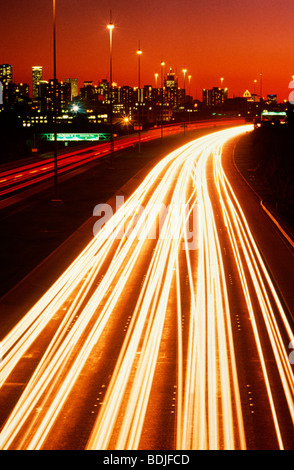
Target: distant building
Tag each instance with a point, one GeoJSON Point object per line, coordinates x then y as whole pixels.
{"type": "Point", "coordinates": [21, 91]}
{"type": "Point", "coordinates": [74, 87]}
{"type": "Point", "coordinates": [88, 92]}
{"type": "Point", "coordinates": [103, 90]}
{"type": "Point", "coordinates": [37, 75]}
{"type": "Point", "coordinates": [247, 95]}
{"type": "Point", "coordinates": [6, 73]}
{"type": "Point", "coordinates": [42, 95]}
{"type": "Point", "coordinates": [13, 94]}
{"type": "Point", "coordinates": [63, 94]}
{"type": "Point", "coordinates": [214, 97]}
{"type": "Point", "coordinates": [272, 99]}
{"type": "Point", "coordinates": [170, 80]}
{"type": "Point", "coordinates": [171, 91]}
{"type": "Point", "coordinates": [45, 95]}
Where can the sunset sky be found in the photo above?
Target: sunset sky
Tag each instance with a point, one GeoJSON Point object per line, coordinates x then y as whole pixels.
{"type": "Point", "coordinates": [233, 39]}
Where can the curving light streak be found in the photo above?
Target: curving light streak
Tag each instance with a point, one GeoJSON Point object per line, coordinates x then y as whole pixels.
{"type": "Point", "coordinates": [211, 351]}
{"type": "Point", "coordinates": [239, 231]}
{"type": "Point", "coordinates": [209, 410]}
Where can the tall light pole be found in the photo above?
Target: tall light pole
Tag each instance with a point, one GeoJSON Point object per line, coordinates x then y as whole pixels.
{"type": "Point", "coordinates": [189, 78]}
{"type": "Point", "coordinates": [139, 53]}
{"type": "Point", "coordinates": [156, 77]}
{"type": "Point", "coordinates": [184, 72]}
{"type": "Point", "coordinates": [55, 107]}
{"type": "Point", "coordinates": [110, 27]}
{"type": "Point", "coordinates": [162, 65]}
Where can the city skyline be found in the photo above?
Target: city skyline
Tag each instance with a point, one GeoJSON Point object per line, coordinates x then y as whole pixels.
{"type": "Point", "coordinates": [205, 47]}
{"type": "Point", "coordinates": [37, 78]}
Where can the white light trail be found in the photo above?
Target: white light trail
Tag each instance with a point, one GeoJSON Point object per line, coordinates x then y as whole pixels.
{"type": "Point", "coordinates": [209, 411]}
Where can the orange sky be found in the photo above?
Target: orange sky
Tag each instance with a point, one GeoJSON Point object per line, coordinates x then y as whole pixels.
{"type": "Point", "coordinates": [236, 40]}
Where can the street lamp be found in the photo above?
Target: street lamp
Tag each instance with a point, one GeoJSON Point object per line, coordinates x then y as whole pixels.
{"type": "Point", "coordinates": [189, 78]}
{"type": "Point", "coordinates": [139, 53]}
{"type": "Point", "coordinates": [110, 27]}
{"type": "Point", "coordinates": [184, 72]}
{"type": "Point", "coordinates": [156, 77]}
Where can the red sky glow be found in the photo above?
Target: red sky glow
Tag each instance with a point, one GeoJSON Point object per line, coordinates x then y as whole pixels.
{"type": "Point", "coordinates": [234, 39]}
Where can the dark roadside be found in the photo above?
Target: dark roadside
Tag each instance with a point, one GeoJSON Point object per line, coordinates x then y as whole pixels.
{"type": "Point", "coordinates": [265, 157]}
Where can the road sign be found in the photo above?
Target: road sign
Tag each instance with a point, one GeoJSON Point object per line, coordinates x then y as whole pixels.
{"type": "Point", "coordinates": [66, 137]}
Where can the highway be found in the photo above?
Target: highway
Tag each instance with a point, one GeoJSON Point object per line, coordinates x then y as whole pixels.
{"type": "Point", "coordinates": [167, 332]}
{"type": "Point", "coordinates": [20, 176]}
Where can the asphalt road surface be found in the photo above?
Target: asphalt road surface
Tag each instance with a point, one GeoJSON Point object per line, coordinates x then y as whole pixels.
{"type": "Point", "coordinates": [170, 330]}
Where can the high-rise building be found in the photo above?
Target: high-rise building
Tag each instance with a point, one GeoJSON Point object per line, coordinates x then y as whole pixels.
{"type": "Point", "coordinates": [272, 99]}
{"type": "Point", "coordinates": [103, 89]}
{"type": "Point", "coordinates": [42, 93]}
{"type": "Point", "coordinates": [215, 97]}
{"type": "Point", "coordinates": [88, 91]}
{"type": "Point", "coordinates": [21, 91]}
{"type": "Point", "coordinates": [74, 87]}
{"type": "Point", "coordinates": [46, 93]}
{"type": "Point", "coordinates": [37, 73]}
{"type": "Point", "coordinates": [171, 81]}
{"type": "Point", "coordinates": [62, 95]}
{"type": "Point", "coordinates": [6, 73]}
{"type": "Point", "coordinates": [171, 91]}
